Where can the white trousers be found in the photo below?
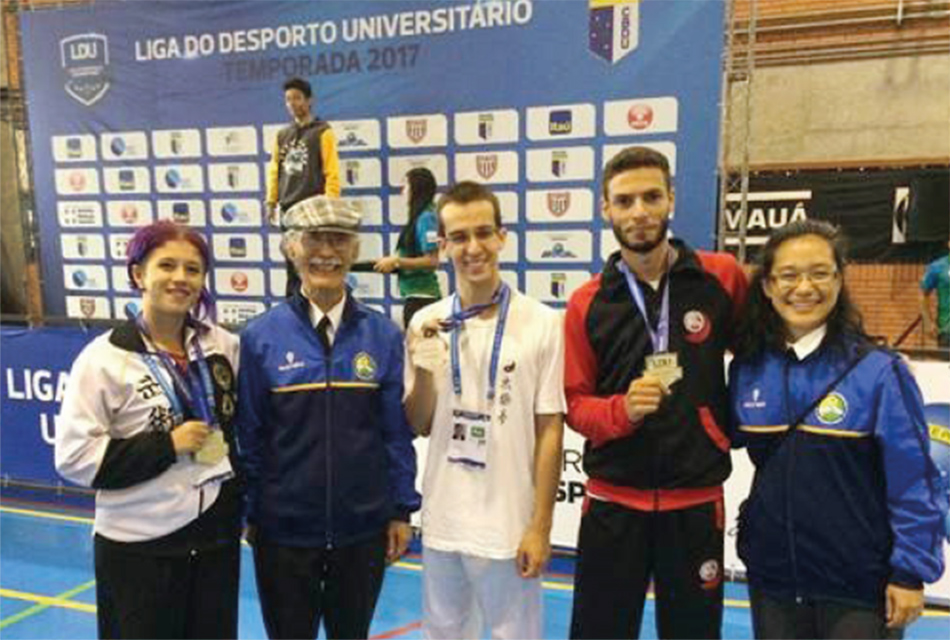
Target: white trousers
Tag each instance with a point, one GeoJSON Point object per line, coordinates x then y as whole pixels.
{"type": "Point", "coordinates": [462, 595]}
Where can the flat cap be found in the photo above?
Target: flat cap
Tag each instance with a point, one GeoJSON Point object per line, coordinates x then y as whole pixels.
{"type": "Point", "coordinates": [323, 213]}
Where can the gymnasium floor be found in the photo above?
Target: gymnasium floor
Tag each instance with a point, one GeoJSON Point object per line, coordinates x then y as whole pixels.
{"type": "Point", "coordinates": [47, 588]}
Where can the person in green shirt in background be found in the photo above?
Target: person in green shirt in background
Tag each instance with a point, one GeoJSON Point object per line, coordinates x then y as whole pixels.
{"type": "Point", "coordinates": [417, 250]}
{"type": "Point", "coordinates": [937, 278]}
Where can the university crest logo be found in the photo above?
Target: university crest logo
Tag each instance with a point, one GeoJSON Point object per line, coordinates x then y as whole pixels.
{"type": "Point", "coordinates": [85, 60]}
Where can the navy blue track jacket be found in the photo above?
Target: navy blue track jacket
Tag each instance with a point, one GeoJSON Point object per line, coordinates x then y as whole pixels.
{"type": "Point", "coordinates": [851, 500]}
{"type": "Point", "coordinates": [326, 446]}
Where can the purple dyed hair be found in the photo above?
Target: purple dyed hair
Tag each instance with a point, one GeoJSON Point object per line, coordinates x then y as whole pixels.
{"type": "Point", "coordinates": [151, 237]}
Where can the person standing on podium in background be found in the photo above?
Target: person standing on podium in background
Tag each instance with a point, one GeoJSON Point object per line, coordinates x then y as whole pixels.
{"type": "Point", "coordinates": [645, 386]}
{"type": "Point", "coordinates": [324, 439]}
{"type": "Point", "coordinates": [937, 278]}
{"type": "Point", "coordinates": [304, 163]}
{"type": "Point", "coordinates": [147, 421]}
{"type": "Point", "coordinates": [417, 250]}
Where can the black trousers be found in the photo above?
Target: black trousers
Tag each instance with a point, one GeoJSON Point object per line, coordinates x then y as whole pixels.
{"type": "Point", "coordinates": [150, 596]}
{"type": "Point", "coordinates": [300, 586]}
{"type": "Point", "coordinates": [620, 550]}
{"type": "Point", "coordinates": [778, 618]}
{"type": "Point", "coordinates": [411, 306]}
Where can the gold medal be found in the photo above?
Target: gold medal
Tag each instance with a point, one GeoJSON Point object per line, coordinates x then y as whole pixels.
{"type": "Point", "coordinates": [227, 406]}
{"type": "Point", "coordinates": [664, 366]}
{"type": "Point", "coordinates": [214, 449]}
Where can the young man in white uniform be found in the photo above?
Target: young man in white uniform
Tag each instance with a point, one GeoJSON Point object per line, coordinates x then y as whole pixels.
{"type": "Point", "coordinates": [484, 379]}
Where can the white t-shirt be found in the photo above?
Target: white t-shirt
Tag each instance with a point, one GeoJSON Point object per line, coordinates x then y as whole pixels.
{"type": "Point", "coordinates": [485, 511]}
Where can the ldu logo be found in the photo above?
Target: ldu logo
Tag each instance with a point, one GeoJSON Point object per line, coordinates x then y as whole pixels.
{"type": "Point", "coordinates": [85, 59]}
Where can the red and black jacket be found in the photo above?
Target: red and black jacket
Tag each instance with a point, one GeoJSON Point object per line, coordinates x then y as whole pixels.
{"type": "Point", "coordinates": [678, 456]}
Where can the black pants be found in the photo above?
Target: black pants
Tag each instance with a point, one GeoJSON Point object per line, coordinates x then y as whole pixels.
{"type": "Point", "coordinates": [148, 596]}
{"type": "Point", "coordinates": [411, 306]}
{"type": "Point", "coordinates": [777, 618]}
{"type": "Point", "coordinates": [620, 549]}
{"type": "Point", "coordinates": [299, 586]}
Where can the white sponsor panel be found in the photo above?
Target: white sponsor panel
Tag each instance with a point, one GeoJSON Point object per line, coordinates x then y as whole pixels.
{"type": "Point", "coordinates": [487, 167]}
{"type": "Point", "coordinates": [510, 278]}
{"type": "Point", "coordinates": [278, 281]}
{"type": "Point", "coordinates": [608, 243]}
{"type": "Point", "coordinates": [119, 245]}
{"type": "Point", "coordinates": [88, 307]}
{"type": "Point", "coordinates": [273, 248]}
{"type": "Point", "coordinates": [237, 247]}
{"type": "Point", "coordinates": [231, 141]}
{"type": "Point", "coordinates": [562, 122]}
{"type": "Point", "coordinates": [83, 246]}
{"type": "Point", "coordinates": [123, 180]}
{"type": "Point", "coordinates": [234, 176]}
{"type": "Point", "coordinates": [367, 285]}
{"type": "Point", "coordinates": [361, 173]}
{"type": "Point", "coordinates": [641, 116]}
{"type": "Point", "coordinates": [176, 143]}
{"type": "Point", "coordinates": [85, 277]}
{"type": "Point", "coordinates": [269, 137]}
{"type": "Point", "coordinates": [188, 212]}
{"type": "Point", "coordinates": [666, 148]}
{"type": "Point", "coordinates": [371, 246]}
{"type": "Point", "coordinates": [508, 202]}
{"type": "Point", "coordinates": [120, 279]}
{"type": "Point", "coordinates": [558, 246]}
{"type": "Point", "coordinates": [239, 282]}
{"type": "Point", "coordinates": [554, 285]}
{"type": "Point", "coordinates": [179, 178]}
{"type": "Point", "coordinates": [509, 252]}
{"type": "Point", "coordinates": [407, 132]}
{"type": "Point", "coordinates": [124, 307]}
{"type": "Point", "coordinates": [560, 205]}
{"type": "Point", "coordinates": [236, 212]}
{"type": "Point", "coordinates": [128, 213]}
{"type": "Point", "coordinates": [236, 312]}
{"type": "Point", "coordinates": [370, 208]}
{"type": "Point", "coordinates": [127, 145]}
{"type": "Point", "coordinates": [398, 211]}
{"type": "Point", "coordinates": [399, 166]}
{"type": "Point", "coordinates": [486, 127]}
{"type": "Point", "coordinates": [79, 214]}
{"type": "Point", "coordinates": [77, 182]}
{"type": "Point", "coordinates": [560, 164]}
{"type": "Point", "coordinates": [356, 135]}
{"type": "Point", "coordinates": [76, 148]}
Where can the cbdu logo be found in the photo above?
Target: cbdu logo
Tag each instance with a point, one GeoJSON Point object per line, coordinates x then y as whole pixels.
{"type": "Point", "coordinates": [85, 59]}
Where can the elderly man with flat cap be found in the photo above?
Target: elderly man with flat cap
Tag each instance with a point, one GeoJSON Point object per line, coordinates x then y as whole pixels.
{"type": "Point", "coordinates": [326, 448]}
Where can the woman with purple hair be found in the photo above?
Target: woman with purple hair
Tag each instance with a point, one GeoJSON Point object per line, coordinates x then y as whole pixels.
{"type": "Point", "coordinates": [147, 421]}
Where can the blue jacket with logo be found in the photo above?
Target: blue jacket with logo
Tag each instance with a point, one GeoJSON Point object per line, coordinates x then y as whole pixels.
{"type": "Point", "coordinates": [326, 446]}
{"type": "Point", "coordinates": [849, 501]}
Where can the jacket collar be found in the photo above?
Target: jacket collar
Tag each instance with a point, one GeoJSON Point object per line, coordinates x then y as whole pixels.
{"type": "Point", "coordinates": [686, 261]}
{"type": "Point", "coordinates": [301, 306]}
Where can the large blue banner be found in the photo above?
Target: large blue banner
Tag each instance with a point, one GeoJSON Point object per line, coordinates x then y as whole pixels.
{"type": "Point", "coordinates": [36, 364]}
{"type": "Point", "coordinates": [147, 110]}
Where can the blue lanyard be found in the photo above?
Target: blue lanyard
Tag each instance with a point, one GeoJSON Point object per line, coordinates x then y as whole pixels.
{"type": "Point", "coordinates": [659, 337]}
{"type": "Point", "coordinates": [502, 297]}
{"type": "Point", "coordinates": [198, 395]}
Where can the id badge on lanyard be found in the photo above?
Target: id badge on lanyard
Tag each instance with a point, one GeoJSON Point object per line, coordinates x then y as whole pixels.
{"type": "Point", "coordinates": [471, 426]}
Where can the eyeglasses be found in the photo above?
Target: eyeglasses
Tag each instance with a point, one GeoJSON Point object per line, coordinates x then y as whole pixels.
{"type": "Point", "coordinates": [462, 238]}
{"type": "Point", "coordinates": [819, 277]}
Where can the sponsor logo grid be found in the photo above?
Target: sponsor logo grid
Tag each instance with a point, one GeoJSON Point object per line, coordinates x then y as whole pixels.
{"type": "Point", "coordinates": [543, 162]}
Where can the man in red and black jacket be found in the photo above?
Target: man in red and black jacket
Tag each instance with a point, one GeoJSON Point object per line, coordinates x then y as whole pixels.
{"type": "Point", "coordinates": [645, 385]}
